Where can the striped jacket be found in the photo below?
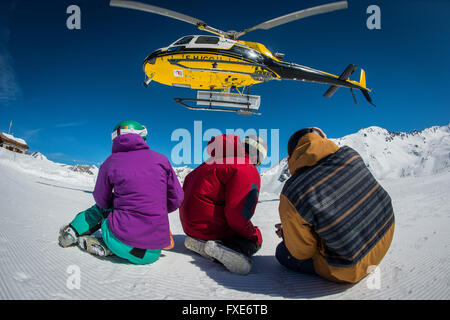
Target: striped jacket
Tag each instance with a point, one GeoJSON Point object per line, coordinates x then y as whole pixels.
{"type": "Point", "coordinates": [334, 211]}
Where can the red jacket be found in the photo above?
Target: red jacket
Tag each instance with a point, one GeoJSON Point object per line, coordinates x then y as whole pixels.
{"type": "Point", "coordinates": [220, 195]}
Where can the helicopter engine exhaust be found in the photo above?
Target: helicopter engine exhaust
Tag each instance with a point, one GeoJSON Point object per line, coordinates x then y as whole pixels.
{"type": "Point", "coordinates": [146, 82]}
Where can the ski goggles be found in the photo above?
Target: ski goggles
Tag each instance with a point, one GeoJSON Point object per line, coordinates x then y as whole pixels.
{"type": "Point", "coordinates": [143, 133]}
{"type": "Point", "coordinates": [259, 148]}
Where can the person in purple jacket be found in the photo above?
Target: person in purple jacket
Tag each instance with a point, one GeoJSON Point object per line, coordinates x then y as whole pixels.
{"type": "Point", "coordinates": [136, 188]}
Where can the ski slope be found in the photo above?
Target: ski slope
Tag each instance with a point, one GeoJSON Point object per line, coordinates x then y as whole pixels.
{"type": "Point", "coordinates": [38, 196]}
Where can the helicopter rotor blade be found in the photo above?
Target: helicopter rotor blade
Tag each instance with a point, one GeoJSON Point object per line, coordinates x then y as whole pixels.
{"type": "Point", "coordinates": [158, 10]}
{"type": "Point", "coordinates": [201, 25]}
{"type": "Point", "coordinates": [296, 16]}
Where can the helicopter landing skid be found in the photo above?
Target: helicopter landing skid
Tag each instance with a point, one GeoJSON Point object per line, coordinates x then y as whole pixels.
{"type": "Point", "coordinates": [242, 104]}
{"type": "Point", "coordinates": [243, 111]}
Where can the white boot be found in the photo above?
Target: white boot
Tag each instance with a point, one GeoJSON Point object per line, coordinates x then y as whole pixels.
{"type": "Point", "coordinates": [67, 236]}
{"type": "Point", "coordinates": [232, 260]}
{"type": "Point", "coordinates": [197, 246]}
{"type": "Point", "coordinates": [94, 246]}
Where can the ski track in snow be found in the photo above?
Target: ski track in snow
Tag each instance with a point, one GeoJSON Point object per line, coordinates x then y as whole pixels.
{"type": "Point", "coordinates": [33, 266]}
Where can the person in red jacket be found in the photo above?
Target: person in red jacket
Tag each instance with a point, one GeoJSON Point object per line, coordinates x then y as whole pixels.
{"type": "Point", "coordinates": [220, 199]}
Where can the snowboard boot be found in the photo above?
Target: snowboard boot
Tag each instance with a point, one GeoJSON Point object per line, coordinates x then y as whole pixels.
{"type": "Point", "coordinates": [197, 246]}
{"type": "Point", "coordinates": [232, 260]}
{"type": "Point", "coordinates": [94, 246]}
{"type": "Point", "coordinates": [67, 236]}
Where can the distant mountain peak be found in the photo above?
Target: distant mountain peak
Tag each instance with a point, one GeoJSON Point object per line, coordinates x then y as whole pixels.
{"type": "Point", "coordinates": [38, 155]}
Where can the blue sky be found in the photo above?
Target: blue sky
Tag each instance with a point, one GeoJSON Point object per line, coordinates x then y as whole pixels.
{"type": "Point", "coordinates": [66, 89]}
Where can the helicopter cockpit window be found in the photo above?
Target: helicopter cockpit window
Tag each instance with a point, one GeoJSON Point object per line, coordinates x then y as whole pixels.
{"type": "Point", "coordinates": [207, 40]}
{"type": "Point", "coordinates": [247, 53]}
{"type": "Point", "coordinates": [184, 40]}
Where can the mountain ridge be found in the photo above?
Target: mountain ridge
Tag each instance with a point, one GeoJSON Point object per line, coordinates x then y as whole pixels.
{"type": "Point", "coordinates": [387, 154]}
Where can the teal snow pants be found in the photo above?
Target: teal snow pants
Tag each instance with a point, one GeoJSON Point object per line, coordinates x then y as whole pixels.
{"type": "Point", "coordinates": [94, 218]}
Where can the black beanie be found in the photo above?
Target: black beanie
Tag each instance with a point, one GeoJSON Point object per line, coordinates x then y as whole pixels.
{"type": "Point", "coordinates": [293, 140]}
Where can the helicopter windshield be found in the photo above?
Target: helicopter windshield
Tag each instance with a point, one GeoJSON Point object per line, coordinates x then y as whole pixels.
{"type": "Point", "coordinates": [184, 40]}
{"type": "Point", "coordinates": [247, 53]}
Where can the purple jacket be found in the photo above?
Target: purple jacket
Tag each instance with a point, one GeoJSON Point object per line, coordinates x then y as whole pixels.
{"type": "Point", "coordinates": [142, 188]}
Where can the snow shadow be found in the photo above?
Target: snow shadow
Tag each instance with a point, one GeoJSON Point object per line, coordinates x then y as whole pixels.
{"type": "Point", "coordinates": [267, 277]}
{"type": "Point", "coordinates": [268, 200]}
{"type": "Point", "coordinates": [69, 188]}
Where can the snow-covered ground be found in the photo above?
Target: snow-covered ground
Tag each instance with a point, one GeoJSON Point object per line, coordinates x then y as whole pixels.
{"type": "Point", "coordinates": [38, 196]}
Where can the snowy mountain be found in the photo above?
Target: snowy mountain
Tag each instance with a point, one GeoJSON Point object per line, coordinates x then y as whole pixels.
{"type": "Point", "coordinates": [182, 172]}
{"type": "Point", "coordinates": [399, 154]}
{"type": "Point", "coordinates": [92, 170]}
{"type": "Point", "coordinates": [38, 155]}
{"type": "Point", "coordinates": [388, 155]}
{"type": "Point", "coordinates": [36, 164]}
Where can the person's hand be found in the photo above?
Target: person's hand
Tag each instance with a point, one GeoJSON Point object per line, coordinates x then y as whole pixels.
{"type": "Point", "coordinates": [279, 230]}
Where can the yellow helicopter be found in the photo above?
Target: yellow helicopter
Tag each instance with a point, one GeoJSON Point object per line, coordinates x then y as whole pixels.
{"type": "Point", "coordinates": [223, 68]}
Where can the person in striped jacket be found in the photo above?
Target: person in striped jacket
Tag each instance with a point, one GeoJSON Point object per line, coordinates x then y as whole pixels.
{"type": "Point", "coordinates": [337, 221]}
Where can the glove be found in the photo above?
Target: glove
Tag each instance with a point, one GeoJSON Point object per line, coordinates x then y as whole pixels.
{"type": "Point", "coordinates": [257, 237]}
{"type": "Point", "coordinates": [279, 230]}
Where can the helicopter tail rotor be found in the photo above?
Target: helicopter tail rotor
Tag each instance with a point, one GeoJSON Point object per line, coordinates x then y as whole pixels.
{"type": "Point", "coordinates": [345, 76]}
{"type": "Point", "coordinates": [364, 90]}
